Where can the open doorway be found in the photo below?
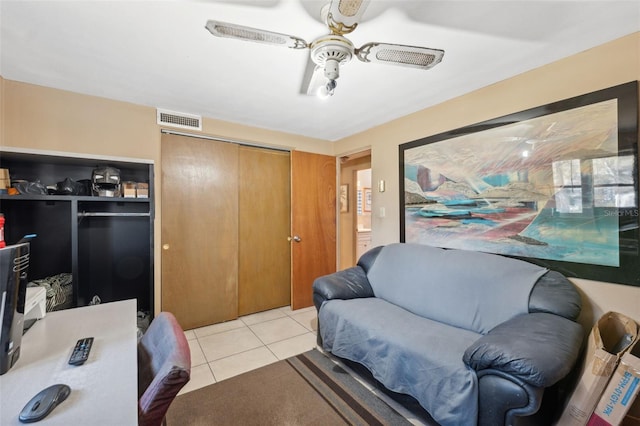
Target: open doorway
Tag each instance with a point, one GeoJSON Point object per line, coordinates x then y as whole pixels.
{"type": "Point", "coordinates": [354, 207]}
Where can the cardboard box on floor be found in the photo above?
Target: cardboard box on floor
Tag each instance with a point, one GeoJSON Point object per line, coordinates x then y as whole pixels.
{"type": "Point", "coordinates": [621, 391]}
{"type": "Point", "coordinates": [611, 336]}
{"type": "Point", "coordinates": [633, 416]}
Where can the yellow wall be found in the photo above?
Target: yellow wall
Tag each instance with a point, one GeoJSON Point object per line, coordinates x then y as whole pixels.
{"type": "Point", "coordinates": [608, 65]}
{"type": "Point", "coordinates": [40, 118]}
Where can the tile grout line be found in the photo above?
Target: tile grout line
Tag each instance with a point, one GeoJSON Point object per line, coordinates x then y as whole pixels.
{"type": "Point", "coordinates": [287, 314]}
{"type": "Point", "coordinates": [206, 361]}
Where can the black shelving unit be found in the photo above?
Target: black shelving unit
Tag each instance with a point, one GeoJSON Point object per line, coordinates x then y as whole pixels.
{"type": "Point", "coordinates": [106, 243]}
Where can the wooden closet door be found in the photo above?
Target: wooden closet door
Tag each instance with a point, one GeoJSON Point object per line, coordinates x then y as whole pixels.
{"type": "Point", "coordinates": [264, 274]}
{"type": "Point", "coordinates": [199, 230]}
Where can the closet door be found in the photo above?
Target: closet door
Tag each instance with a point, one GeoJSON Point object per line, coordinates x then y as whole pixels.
{"type": "Point", "coordinates": [199, 230]}
{"type": "Point", "coordinates": [264, 274]}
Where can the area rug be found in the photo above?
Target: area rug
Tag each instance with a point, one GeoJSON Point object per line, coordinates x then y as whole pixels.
{"type": "Point", "coordinates": [308, 389]}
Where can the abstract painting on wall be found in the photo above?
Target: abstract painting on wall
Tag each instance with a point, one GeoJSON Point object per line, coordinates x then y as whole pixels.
{"type": "Point", "coordinates": [556, 185]}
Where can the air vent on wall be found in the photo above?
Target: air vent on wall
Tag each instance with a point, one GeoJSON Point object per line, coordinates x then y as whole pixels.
{"type": "Point", "coordinates": [179, 119]}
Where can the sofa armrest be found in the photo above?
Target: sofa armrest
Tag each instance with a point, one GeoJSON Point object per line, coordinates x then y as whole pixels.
{"type": "Point", "coordinates": [538, 348]}
{"type": "Point", "coordinates": [347, 284]}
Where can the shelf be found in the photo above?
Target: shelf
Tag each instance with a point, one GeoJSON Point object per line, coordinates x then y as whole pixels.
{"type": "Point", "coordinates": [106, 243]}
{"type": "Point", "coordinates": [28, 197]}
{"type": "Point", "coordinates": [109, 214]}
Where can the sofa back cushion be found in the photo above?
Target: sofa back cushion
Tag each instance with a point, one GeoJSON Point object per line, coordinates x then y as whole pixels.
{"type": "Point", "coordinates": [471, 290]}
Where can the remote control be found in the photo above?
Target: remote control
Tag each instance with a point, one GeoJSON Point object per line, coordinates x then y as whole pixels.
{"type": "Point", "coordinates": [81, 351]}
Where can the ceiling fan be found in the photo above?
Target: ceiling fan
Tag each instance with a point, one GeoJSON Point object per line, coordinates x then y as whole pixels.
{"type": "Point", "coordinates": [329, 52]}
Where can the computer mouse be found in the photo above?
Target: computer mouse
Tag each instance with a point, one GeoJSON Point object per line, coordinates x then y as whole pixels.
{"type": "Point", "coordinates": [43, 403]}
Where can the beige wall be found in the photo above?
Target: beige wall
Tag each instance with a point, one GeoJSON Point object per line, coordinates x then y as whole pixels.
{"type": "Point", "coordinates": [614, 63]}
{"type": "Point", "coordinates": [40, 118]}
{"type": "Point", "coordinates": [43, 118]}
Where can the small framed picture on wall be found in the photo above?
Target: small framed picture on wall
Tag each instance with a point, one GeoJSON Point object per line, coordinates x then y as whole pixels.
{"type": "Point", "coordinates": [367, 199]}
{"type": "Point", "coordinates": [344, 198]}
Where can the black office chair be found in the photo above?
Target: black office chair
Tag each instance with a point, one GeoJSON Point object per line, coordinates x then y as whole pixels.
{"type": "Point", "coordinates": [164, 367]}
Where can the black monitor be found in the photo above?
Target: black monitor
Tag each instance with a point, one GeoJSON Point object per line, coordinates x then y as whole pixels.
{"type": "Point", "coordinates": [14, 265]}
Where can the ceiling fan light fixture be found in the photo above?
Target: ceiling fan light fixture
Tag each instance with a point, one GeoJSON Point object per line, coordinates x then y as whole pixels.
{"type": "Point", "coordinates": [332, 69]}
{"type": "Point", "coordinates": [327, 90]}
{"type": "Point", "coordinates": [329, 52]}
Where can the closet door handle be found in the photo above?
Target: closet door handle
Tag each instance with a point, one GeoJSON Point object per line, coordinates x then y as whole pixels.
{"type": "Point", "coordinates": [295, 238]}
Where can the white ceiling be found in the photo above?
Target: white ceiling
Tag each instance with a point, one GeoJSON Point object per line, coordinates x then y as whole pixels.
{"type": "Point", "coordinates": [159, 54]}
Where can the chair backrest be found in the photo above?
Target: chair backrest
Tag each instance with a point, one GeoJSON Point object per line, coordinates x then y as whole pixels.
{"type": "Point", "coordinates": [164, 367]}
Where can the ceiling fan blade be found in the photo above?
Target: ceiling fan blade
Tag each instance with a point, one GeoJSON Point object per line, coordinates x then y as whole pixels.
{"type": "Point", "coordinates": [343, 15]}
{"type": "Point", "coordinates": [398, 54]}
{"type": "Point", "coordinates": [224, 29]}
{"type": "Point", "coordinates": [313, 79]}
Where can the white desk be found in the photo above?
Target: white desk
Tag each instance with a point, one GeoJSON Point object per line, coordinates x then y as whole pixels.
{"type": "Point", "coordinates": [104, 390]}
{"type": "Point", "coordinates": [35, 305]}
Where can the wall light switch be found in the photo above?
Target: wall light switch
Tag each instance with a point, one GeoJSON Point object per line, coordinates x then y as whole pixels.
{"type": "Point", "coordinates": [382, 212]}
{"type": "Point", "coordinates": [381, 186]}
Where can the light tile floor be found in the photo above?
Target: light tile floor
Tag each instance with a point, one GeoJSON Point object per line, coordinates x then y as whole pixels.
{"type": "Point", "coordinates": [230, 348]}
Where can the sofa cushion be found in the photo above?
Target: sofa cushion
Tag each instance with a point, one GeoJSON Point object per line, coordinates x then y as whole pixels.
{"type": "Point", "coordinates": [472, 290]}
{"type": "Point", "coordinates": [408, 353]}
{"type": "Point", "coordinates": [554, 293]}
{"type": "Point", "coordinates": [539, 349]}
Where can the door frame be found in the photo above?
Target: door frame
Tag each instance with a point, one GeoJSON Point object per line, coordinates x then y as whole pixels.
{"type": "Point", "coordinates": [348, 164]}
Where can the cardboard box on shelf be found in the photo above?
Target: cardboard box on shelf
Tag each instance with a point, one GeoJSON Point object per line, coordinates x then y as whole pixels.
{"type": "Point", "coordinates": [143, 190]}
{"type": "Point", "coordinates": [5, 180]}
{"type": "Point", "coordinates": [129, 189]}
{"type": "Point", "coordinates": [621, 392]}
{"type": "Point", "coordinates": [610, 338]}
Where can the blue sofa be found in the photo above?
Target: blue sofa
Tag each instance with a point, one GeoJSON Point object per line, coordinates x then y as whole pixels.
{"type": "Point", "coordinates": [475, 338]}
